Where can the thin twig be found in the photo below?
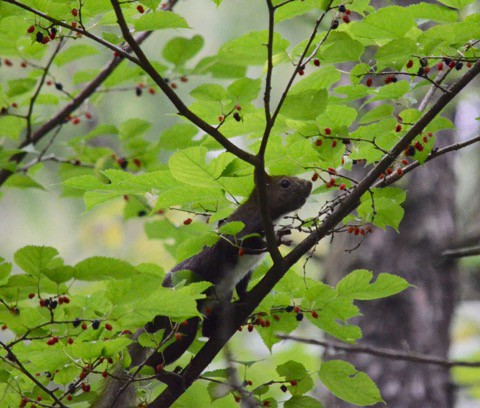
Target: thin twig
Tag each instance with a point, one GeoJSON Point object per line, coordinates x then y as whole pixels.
{"type": "Point", "coordinates": [384, 352]}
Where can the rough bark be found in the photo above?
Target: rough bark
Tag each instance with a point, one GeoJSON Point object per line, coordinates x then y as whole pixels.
{"type": "Point", "coordinates": [418, 319]}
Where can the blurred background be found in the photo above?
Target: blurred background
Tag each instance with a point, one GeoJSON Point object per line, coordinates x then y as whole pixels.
{"type": "Point", "coordinates": [439, 317]}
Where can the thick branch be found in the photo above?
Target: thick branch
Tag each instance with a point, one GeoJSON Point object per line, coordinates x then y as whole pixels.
{"type": "Point", "coordinates": [384, 352]}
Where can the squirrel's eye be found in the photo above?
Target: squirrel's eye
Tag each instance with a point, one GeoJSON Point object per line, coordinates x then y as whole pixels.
{"type": "Point", "coordinates": [285, 183]}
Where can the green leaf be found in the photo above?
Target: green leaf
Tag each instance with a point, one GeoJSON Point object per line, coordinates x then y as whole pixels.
{"type": "Point", "coordinates": [347, 383]}
{"type": "Point", "coordinates": [102, 268]}
{"type": "Point", "coordinates": [59, 274]}
{"type": "Point", "coordinates": [179, 50]}
{"type": "Point", "coordinates": [11, 126]}
{"type": "Point", "coordinates": [322, 78]}
{"type": "Point", "coordinates": [433, 12]}
{"type": "Point", "coordinates": [305, 105]}
{"type": "Point", "coordinates": [379, 112]}
{"type": "Point", "coordinates": [231, 228]}
{"type": "Point", "coordinates": [303, 401]}
{"type": "Point", "coordinates": [458, 4]}
{"type": "Point", "coordinates": [179, 137]}
{"type": "Point", "coordinates": [293, 370]}
{"type": "Point", "coordinates": [395, 53]}
{"type": "Point", "coordinates": [33, 259]}
{"type": "Point", "coordinates": [386, 23]}
{"type": "Point", "coordinates": [357, 285]}
{"type": "Point", "coordinates": [22, 181]}
{"type": "Point", "coordinates": [133, 128]}
{"type": "Point", "coordinates": [340, 47]}
{"type": "Point", "coordinates": [250, 49]}
{"type": "Point", "coordinates": [159, 20]}
{"type": "Point", "coordinates": [189, 166]}
{"type": "Point", "coordinates": [18, 87]}
{"type": "Point", "coordinates": [209, 92]}
{"type": "Point", "coordinates": [244, 90]}
{"type": "Point", "coordinates": [5, 269]}
{"type": "Point", "coordinates": [74, 53]}
{"type": "Point", "coordinates": [391, 91]}
{"type": "Point", "coordinates": [385, 209]}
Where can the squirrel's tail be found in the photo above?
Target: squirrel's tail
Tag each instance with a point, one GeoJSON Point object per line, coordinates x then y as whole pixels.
{"type": "Point", "coordinates": [119, 392]}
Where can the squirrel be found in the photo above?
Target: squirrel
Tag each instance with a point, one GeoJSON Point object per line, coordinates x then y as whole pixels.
{"type": "Point", "coordinates": [228, 265]}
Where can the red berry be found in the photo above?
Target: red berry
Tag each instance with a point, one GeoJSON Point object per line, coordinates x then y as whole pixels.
{"type": "Point", "coordinates": [159, 368]}
{"type": "Point", "coordinates": [220, 118]}
{"type": "Point", "coordinates": [266, 403]}
{"type": "Point", "coordinates": [418, 146]}
{"type": "Point", "coordinates": [369, 81]}
{"type": "Point", "coordinates": [140, 9]}
{"type": "Point", "coordinates": [331, 170]}
{"type": "Point", "coordinates": [76, 120]}
{"type": "Point", "coordinates": [334, 143]}
{"type": "Point", "coordinates": [346, 18]}
{"type": "Point", "coordinates": [293, 383]}
{"type": "Point", "coordinates": [452, 64]}
{"type": "Point", "coordinates": [238, 107]}
{"type": "Point", "coordinates": [183, 79]}
{"type": "Point", "coordinates": [70, 397]}
{"type": "Point", "coordinates": [23, 64]}
{"type": "Point", "coordinates": [241, 252]}
{"type": "Point", "coordinates": [14, 105]}
{"type": "Point", "coordinates": [357, 231]}
{"type": "Point", "coordinates": [4, 327]}
{"type": "Point", "coordinates": [188, 221]}
{"type": "Point", "coordinates": [316, 62]}
{"type": "Point", "coordinates": [332, 181]}
{"type": "Point", "coordinates": [389, 79]}
{"type": "Point", "coordinates": [51, 342]}
{"type": "Point", "coordinates": [276, 317]}
{"type": "Point", "coordinates": [389, 171]}
{"type": "Point", "coordinates": [314, 314]}
{"type": "Point", "coordinates": [399, 171]}
{"type": "Point", "coordinates": [74, 12]}
{"type": "Point", "coordinates": [409, 64]}
{"type": "Point", "coordinates": [151, 90]}
{"type": "Point", "coordinates": [425, 139]}
{"type": "Point", "coordinates": [115, 54]}
{"type": "Point", "coordinates": [31, 29]}
{"type": "Point", "coordinates": [351, 229]}
{"type": "Point", "coordinates": [88, 115]}
{"type": "Point", "coordinates": [398, 128]}
{"type": "Point", "coordinates": [70, 341]}
{"type": "Point", "coordinates": [249, 382]}
{"type": "Point", "coordinates": [426, 70]}
{"type": "Point", "coordinates": [440, 66]}
{"type": "Point", "coordinates": [137, 162]}
{"type": "Point", "coordinates": [74, 25]}
{"type": "Point", "coordinates": [318, 142]}
{"type": "Point", "coordinates": [301, 72]}
{"type": "Point", "coordinates": [314, 177]}
{"type": "Point", "coordinates": [296, 309]}
{"type": "Point", "coordinates": [362, 231]}
{"type": "Point", "coordinates": [39, 398]}
{"type": "Point", "coordinates": [109, 327]}
{"type": "Point", "coordinates": [31, 295]}
{"type": "Point", "coordinates": [173, 85]}
{"type": "Point", "coordinates": [342, 186]}
{"type": "Point", "coordinates": [84, 326]}
{"type": "Point", "coordinates": [469, 65]}
{"type": "Point", "coordinates": [42, 302]}
{"type": "Point", "coordinates": [347, 11]}
{"type": "Point", "coordinates": [404, 162]}
{"type": "Point", "coordinates": [250, 328]}
{"type": "Point", "coordinates": [328, 131]}
{"type": "Point", "coordinates": [104, 374]}
{"type": "Point", "coordinates": [7, 62]}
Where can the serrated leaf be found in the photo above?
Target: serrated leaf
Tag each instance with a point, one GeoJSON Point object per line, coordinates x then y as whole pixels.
{"type": "Point", "coordinates": [231, 228]}
{"type": "Point", "coordinates": [189, 166]}
{"type": "Point", "coordinates": [347, 383]}
{"type": "Point", "coordinates": [458, 4]}
{"type": "Point", "coordinates": [33, 259]}
{"type": "Point", "coordinates": [179, 49]}
{"type": "Point", "coordinates": [385, 209]}
{"type": "Point", "coordinates": [340, 47]}
{"type": "Point", "coordinates": [74, 53]}
{"type": "Point", "coordinates": [102, 268]}
{"type": "Point", "coordinates": [133, 128]}
{"type": "Point", "coordinates": [305, 105]}
{"type": "Point", "coordinates": [22, 181]}
{"type": "Point", "coordinates": [385, 23]}
{"type": "Point", "coordinates": [159, 20]}
{"type": "Point", "coordinates": [379, 112]}
{"type": "Point", "coordinates": [11, 126]}
{"type": "Point", "coordinates": [358, 285]}
{"type": "Point", "coordinates": [303, 401]}
{"type": "Point", "coordinates": [209, 92]}
{"type": "Point", "coordinates": [5, 269]}
{"type": "Point", "coordinates": [391, 91]}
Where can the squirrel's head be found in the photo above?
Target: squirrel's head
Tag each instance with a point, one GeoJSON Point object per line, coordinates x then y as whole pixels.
{"type": "Point", "coordinates": [286, 194]}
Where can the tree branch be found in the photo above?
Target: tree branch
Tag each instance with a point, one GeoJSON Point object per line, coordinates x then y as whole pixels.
{"type": "Point", "coordinates": [277, 271]}
{"type": "Point", "coordinates": [384, 352]}
{"type": "Point", "coordinates": [145, 64]}
{"type": "Point", "coordinates": [461, 252]}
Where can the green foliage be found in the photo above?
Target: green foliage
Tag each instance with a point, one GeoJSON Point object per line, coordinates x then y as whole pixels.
{"type": "Point", "coordinates": [352, 95]}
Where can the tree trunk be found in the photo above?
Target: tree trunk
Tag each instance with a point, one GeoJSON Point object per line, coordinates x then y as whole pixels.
{"type": "Point", "coordinates": [418, 319]}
